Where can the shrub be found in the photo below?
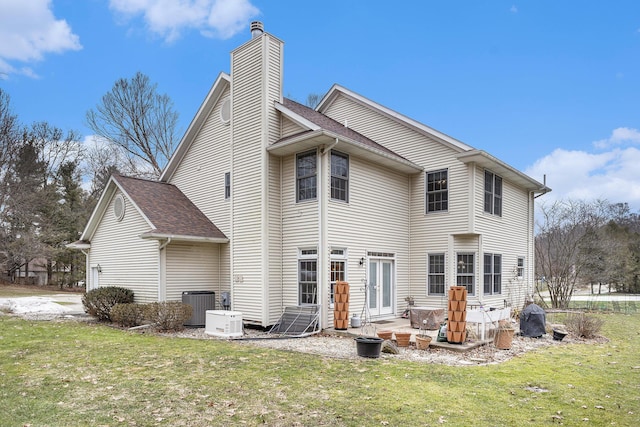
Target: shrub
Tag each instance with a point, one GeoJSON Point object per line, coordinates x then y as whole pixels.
{"type": "Point", "coordinates": [99, 302]}
{"type": "Point", "coordinates": [128, 315]}
{"type": "Point", "coordinates": [583, 325]}
{"type": "Point", "coordinates": [168, 316]}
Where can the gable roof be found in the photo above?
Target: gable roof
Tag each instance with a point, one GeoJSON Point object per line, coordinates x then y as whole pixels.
{"type": "Point", "coordinates": [323, 130]}
{"type": "Point", "coordinates": [217, 89]}
{"type": "Point", "coordinates": [467, 154]}
{"type": "Point", "coordinates": [167, 211]}
{"type": "Point", "coordinates": [337, 90]}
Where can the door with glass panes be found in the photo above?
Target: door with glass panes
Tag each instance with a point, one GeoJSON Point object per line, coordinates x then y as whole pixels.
{"type": "Point", "coordinates": [381, 287]}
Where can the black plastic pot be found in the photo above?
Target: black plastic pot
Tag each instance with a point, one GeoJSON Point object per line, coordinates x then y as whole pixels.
{"type": "Point", "coordinates": [368, 346]}
{"type": "Point", "coordinates": [559, 335]}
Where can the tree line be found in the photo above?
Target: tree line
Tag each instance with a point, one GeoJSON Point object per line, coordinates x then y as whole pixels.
{"type": "Point", "coordinates": [580, 243]}
{"type": "Point", "coordinates": [50, 180]}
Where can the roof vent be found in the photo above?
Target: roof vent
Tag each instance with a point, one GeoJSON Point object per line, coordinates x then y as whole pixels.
{"type": "Point", "coordinates": [256, 29]}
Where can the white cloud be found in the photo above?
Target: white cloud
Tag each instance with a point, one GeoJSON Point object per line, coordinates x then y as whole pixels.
{"type": "Point", "coordinates": [619, 136]}
{"type": "Point", "coordinates": [613, 176]}
{"type": "Point", "coordinates": [514, 9]}
{"type": "Point", "coordinates": [28, 31]}
{"type": "Point", "coordinates": [168, 18]}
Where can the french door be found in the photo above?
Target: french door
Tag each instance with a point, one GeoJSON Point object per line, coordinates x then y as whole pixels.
{"type": "Point", "coordinates": [381, 287]}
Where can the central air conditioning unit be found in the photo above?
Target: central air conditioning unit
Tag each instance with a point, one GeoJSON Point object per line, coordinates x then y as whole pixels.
{"type": "Point", "coordinates": [223, 323]}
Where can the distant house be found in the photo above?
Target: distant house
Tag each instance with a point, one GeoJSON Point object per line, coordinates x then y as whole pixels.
{"type": "Point", "coordinates": [274, 202]}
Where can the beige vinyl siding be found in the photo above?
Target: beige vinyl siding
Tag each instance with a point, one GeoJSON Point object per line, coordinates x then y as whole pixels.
{"type": "Point", "coordinates": [256, 84]}
{"type": "Point", "coordinates": [506, 235]}
{"type": "Point", "coordinates": [290, 128]}
{"type": "Point", "coordinates": [430, 233]}
{"type": "Point", "coordinates": [125, 259]}
{"type": "Point", "coordinates": [376, 219]}
{"type": "Point", "coordinates": [200, 174]}
{"type": "Point", "coordinates": [275, 283]}
{"type": "Point", "coordinates": [192, 267]}
{"type": "Point", "coordinates": [299, 230]}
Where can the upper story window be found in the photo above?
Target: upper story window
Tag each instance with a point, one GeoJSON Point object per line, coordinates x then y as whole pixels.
{"type": "Point", "coordinates": [437, 191]}
{"type": "Point", "coordinates": [339, 176]}
{"type": "Point", "coordinates": [227, 185]}
{"type": "Point", "coordinates": [306, 176]}
{"type": "Point", "coordinates": [465, 272]}
{"type": "Point", "coordinates": [492, 274]}
{"type": "Point", "coordinates": [492, 193]}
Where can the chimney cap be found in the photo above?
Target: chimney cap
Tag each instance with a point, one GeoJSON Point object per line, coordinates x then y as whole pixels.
{"type": "Point", "coordinates": [257, 29]}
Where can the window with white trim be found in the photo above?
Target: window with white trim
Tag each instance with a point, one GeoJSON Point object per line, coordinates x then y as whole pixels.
{"type": "Point", "coordinates": [492, 274]}
{"type": "Point", "coordinates": [437, 191]}
{"type": "Point", "coordinates": [306, 176]}
{"type": "Point", "coordinates": [520, 268]}
{"type": "Point", "coordinates": [492, 193]}
{"type": "Point", "coordinates": [465, 272]}
{"type": "Point", "coordinates": [338, 270]}
{"type": "Point", "coordinates": [436, 274]}
{"type": "Point", "coordinates": [339, 176]}
{"type": "Point", "coordinates": [308, 276]}
{"type": "Point", "coordinates": [227, 185]}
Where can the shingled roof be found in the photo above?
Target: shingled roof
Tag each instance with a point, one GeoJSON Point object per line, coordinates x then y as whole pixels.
{"type": "Point", "coordinates": [170, 212]}
{"type": "Point", "coordinates": [330, 125]}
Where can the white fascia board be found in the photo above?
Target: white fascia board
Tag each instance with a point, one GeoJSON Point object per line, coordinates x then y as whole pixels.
{"type": "Point", "coordinates": [181, 238]}
{"type": "Point", "coordinates": [323, 136]}
{"type": "Point", "coordinates": [298, 119]}
{"type": "Point", "coordinates": [486, 160]}
{"type": "Point", "coordinates": [216, 91]}
{"type": "Point", "coordinates": [98, 211]}
{"type": "Point", "coordinates": [420, 127]}
{"type": "Point", "coordinates": [81, 246]}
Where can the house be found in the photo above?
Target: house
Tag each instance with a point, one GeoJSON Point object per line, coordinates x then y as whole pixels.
{"type": "Point", "coordinates": [274, 202]}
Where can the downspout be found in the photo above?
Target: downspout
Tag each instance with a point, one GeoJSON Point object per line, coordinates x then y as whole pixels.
{"type": "Point", "coordinates": [162, 285]}
{"type": "Point", "coordinates": [323, 249]}
{"type": "Point", "coordinates": [88, 285]}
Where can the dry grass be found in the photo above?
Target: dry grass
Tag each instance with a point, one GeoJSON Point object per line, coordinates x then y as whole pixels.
{"type": "Point", "coordinates": [84, 374]}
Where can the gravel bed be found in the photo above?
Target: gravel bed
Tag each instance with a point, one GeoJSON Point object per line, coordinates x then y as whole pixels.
{"type": "Point", "coordinates": [344, 347]}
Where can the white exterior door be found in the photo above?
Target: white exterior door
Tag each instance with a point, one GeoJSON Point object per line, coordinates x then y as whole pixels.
{"type": "Point", "coordinates": [381, 286]}
{"type": "Point", "coordinates": [94, 283]}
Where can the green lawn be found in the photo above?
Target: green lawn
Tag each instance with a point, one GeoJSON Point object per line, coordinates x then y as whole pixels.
{"type": "Point", "coordinates": [84, 374]}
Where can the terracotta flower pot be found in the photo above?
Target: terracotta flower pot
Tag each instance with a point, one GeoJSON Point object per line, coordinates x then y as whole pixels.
{"type": "Point", "coordinates": [422, 342]}
{"type": "Point", "coordinates": [503, 338]}
{"type": "Point", "coordinates": [385, 335]}
{"type": "Point", "coordinates": [402, 338]}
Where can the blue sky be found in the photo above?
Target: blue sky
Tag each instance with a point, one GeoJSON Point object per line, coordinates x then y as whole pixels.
{"type": "Point", "coordinates": [549, 87]}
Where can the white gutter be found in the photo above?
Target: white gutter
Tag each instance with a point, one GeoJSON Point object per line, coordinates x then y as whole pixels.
{"type": "Point", "coordinates": [161, 236]}
{"type": "Point", "coordinates": [162, 284]}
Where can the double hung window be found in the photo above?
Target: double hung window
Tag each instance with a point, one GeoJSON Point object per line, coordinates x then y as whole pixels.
{"type": "Point", "coordinates": [306, 176]}
{"type": "Point", "coordinates": [339, 176]}
{"type": "Point", "coordinates": [436, 274]}
{"type": "Point", "coordinates": [465, 272]}
{"type": "Point", "coordinates": [492, 274]}
{"type": "Point", "coordinates": [437, 191]}
{"type": "Point", "coordinates": [492, 193]}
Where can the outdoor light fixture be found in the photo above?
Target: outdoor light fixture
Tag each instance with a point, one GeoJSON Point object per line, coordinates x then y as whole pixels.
{"type": "Point", "coordinates": [99, 268]}
{"type": "Point", "coordinates": [361, 261]}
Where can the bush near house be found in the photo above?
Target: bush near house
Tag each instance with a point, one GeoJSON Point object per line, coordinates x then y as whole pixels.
{"type": "Point", "coordinates": [168, 316]}
{"type": "Point", "coordinates": [99, 302]}
{"type": "Point", "coordinates": [128, 315]}
{"type": "Point", "coordinates": [583, 325]}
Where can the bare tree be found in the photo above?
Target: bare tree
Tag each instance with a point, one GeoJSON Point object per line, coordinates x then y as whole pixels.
{"type": "Point", "coordinates": [567, 230]}
{"type": "Point", "coordinates": [139, 120]}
